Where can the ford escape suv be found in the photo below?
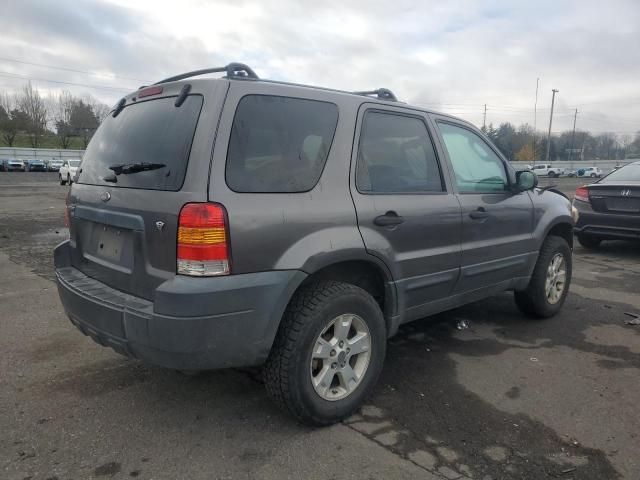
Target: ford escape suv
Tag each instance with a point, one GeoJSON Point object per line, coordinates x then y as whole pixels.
{"type": "Point", "coordinates": [231, 222]}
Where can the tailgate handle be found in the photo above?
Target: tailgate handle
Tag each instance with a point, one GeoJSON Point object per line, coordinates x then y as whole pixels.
{"type": "Point", "coordinates": [389, 219]}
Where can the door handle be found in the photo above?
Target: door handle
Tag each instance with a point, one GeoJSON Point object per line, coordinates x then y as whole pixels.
{"type": "Point", "coordinates": [389, 219]}
{"type": "Point", "coordinates": [479, 214]}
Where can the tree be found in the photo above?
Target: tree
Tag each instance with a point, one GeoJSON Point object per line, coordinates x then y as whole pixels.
{"type": "Point", "coordinates": [83, 121]}
{"type": "Point", "coordinates": [526, 153]}
{"type": "Point", "coordinates": [62, 106]}
{"type": "Point", "coordinates": [33, 105]}
{"type": "Point", "coordinates": [7, 126]}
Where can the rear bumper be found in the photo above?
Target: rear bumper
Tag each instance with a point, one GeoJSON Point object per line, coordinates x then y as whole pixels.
{"type": "Point", "coordinates": [613, 226]}
{"type": "Point", "coordinates": [193, 323]}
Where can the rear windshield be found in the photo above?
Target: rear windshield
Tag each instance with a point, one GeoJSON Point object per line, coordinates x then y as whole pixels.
{"type": "Point", "coordinates": [146, 146]}
{"type": "Point", "coordinates": [628, 173]}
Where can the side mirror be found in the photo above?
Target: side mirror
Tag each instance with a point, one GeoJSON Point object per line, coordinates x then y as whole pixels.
{"type": "Point", "coordinates": [526, 180]}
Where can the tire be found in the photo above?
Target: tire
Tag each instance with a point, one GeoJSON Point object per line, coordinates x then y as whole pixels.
{"type": "Point", "coordinates": [552, 174]}
{"type": "Point", "coordinates": [589, 241]}
{"type": "Point", "coordinates": [593, 175]}
{"type": "Point", "coordinates": [289, 371]}
{"type": "Point", "coordinates": [534, 300]}
{"type": "Point", "coordinates": [69, 181]}
{"type": "Point", "coordinates": [62, 182]}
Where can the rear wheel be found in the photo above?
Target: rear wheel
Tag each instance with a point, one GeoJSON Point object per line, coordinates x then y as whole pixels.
{"type": "Point", "coordinates": [328, 352]}
{"type": "Point", "coordinates": [593, 175]}
{"type": "Point", "coordinates": [589, 241]}
{"type": "Point", "coordinates": [553, 174]}
{"type": "Point", "coordinates": [549, 284]}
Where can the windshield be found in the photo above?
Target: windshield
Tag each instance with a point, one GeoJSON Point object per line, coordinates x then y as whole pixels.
{"type": "Point", "coordinates": [628, 173]}
{"type": "Point", "coordinates": [151, 132]}
{"type": "Point", "coordinates": [74, 163]}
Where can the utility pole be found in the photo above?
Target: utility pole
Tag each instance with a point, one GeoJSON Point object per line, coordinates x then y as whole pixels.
{"type": "Point", "coordinates": [484, 120]}
{"type": "Point", "coordinates": [553, 99]}
{"type": "Point", "coordinates": [573, 135]}
{"type": "Point", "coordinates": [535, 119]}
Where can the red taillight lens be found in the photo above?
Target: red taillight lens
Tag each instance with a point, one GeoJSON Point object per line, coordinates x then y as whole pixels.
{"type": "Point", "coordinates": [203, 240]}
{"type": "Point", "coordinates": [582, 194]}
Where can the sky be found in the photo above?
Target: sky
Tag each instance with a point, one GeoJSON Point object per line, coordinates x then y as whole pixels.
{"type": "Point", "coordinates": [453, 56]}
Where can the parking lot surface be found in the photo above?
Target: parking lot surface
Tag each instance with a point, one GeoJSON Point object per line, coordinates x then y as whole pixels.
{"type": "Point", "coordinates": [478, 392]}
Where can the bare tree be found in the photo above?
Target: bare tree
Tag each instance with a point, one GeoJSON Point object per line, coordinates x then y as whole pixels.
{"type": "Point", "coordinates": [34, 106]}
{"type": "Point", "coordinates": [625, 140]}
{"type": "Point", "coordinates": [7, 124]}
{"type": "Point", "coordinates": [100, 109]}
{"type": "Point", "coordinates": [62, 108]}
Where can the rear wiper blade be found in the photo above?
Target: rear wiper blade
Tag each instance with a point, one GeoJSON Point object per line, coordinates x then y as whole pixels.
{"type": "Point", "coordinates": [126, 168]}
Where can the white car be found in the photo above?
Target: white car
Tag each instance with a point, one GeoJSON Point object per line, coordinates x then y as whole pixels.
{"type": "Point", "coordinates": [548, 170]}
{"type": "Point", "coordinates": [68, 171]}
{"type": "Point", "coordinates": [592, 172]}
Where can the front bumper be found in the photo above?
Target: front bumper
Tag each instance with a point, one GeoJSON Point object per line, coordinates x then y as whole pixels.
{"type": "Point", "coordinates": [607, 226]}
{"type": "Point", "coordinates": [192, 324]}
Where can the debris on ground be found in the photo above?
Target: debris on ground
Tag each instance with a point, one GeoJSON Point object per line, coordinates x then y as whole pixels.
{"type": "Point", "coordinates": [635, 319]}
{"type": "Point", "coordinates": [462, 324]}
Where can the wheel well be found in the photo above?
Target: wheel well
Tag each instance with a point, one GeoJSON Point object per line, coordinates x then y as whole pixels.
{"type": "Point", "coordinates": [361, 273]}
{"type": "Point", "coordinates": [563, 230]}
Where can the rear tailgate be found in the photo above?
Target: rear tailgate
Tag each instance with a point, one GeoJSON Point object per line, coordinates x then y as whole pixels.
{"type": "Point", "coordinates": [140, 168]}
{"type": "Point", "coordinates": [615, 197]}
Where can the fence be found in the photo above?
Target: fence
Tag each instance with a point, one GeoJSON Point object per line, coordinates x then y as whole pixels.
{"type": "Point", "coordinates": [45, 154]}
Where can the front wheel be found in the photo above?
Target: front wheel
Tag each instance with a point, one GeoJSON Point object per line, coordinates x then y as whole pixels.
{"type": "Point", "coordinates": [549, 284]}
{"type": "Point", "coordinates": [328, 352]}
{"type": "Point", "coordinates": [62, 182]}
{"type": "Point", "coordinates": [593, 175]}
{"type": "Point", "coordinates": [552, 174]}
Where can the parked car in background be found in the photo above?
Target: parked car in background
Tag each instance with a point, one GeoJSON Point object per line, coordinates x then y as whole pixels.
{"type": "Point", "coordinates": [548, 170]}
{"type": "Point", "coordinates": [67, 171]}
{"type": "Point", "coordinates": [3, 167]}
{"type": "Point", "coordinates": [36, 165]}
{"type": "Point", "coordinates": [591, 172]}
{"type": "Point", "coordinates": [609, 208]}
{"type": "Point", "coordinates": [282, 242]}
{"type": "Point", "coordinates": [15, 165]}
{"type": "Point", "coordinates": [54, 165]}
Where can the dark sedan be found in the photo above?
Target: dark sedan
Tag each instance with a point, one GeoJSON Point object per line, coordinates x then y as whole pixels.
{"type": "Point", "coordinates": [609, 209]}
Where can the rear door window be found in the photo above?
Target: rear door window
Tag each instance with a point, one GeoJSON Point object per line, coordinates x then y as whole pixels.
{"type": "Point", "coordinates": [279, 144]}
{"type": "Point", "coordinates": [396, 155]}
{"type": "Point", "coordinates": [146, 146]}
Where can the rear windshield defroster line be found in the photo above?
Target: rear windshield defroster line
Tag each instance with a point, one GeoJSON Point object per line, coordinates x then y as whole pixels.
{"type": "Point", "coordinates": [149, 132]}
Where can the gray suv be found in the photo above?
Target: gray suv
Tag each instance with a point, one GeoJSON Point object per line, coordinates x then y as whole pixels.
{"type": "Point", "coordinates": [233, 222]}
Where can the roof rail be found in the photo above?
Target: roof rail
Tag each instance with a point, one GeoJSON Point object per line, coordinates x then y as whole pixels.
{"type": "Point", "coordinates": [381, 93]}
{"type": "Point", "coordinates": [233, 70]}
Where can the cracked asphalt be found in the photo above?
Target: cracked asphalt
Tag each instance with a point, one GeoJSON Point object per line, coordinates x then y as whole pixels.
{"type": "Point", "coordinates": [505, 398]}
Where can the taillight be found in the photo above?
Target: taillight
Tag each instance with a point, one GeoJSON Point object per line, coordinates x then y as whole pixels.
{"type": "Point", "coordinates": [67, 219]}
{"type": "Point", "coordinates": [147, 92]}
{"type": "Point", "coordinates": [582, 194]}
{"type": "Point", "coordinates": [203, 240]}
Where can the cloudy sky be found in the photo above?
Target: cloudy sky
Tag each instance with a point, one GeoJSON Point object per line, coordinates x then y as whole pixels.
{"type": "Point", "coordinates": [451, 56]}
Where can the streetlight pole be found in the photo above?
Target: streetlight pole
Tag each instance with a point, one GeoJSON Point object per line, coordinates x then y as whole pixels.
{"type": "Point", "coordinates": [484, 119]}
{"type": "Point", "coordinates": [535, 120]}
{"type": "Point", "coordinates": [553, 98]}
{"type": "Point", "coordinates": [573, 135]}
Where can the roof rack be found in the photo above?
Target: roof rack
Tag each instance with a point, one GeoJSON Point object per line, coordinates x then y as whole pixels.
{"type": "Point", "coordinates": [233, 70]}
{"type": "Point", "coordinates": [381, 93]}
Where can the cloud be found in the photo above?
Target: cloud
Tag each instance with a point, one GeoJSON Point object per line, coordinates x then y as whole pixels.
{"type": "Point", "coordinates": [454, 56]}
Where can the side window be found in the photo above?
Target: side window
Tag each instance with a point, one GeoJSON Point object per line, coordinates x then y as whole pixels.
{"type": "Point", "coordinates": [279, 144]}
{"type": "Point", "coordinates": [396, 155]}
{"type": "Point", "coordinates": [477, 168]}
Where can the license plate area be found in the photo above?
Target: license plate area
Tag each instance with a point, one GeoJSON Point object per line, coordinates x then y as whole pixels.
{"type": "Point", "coordinates": [627, 205]}
{"type": "Point", "coordinates": [110, 246]}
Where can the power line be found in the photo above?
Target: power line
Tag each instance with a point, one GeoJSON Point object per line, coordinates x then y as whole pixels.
{"type": "Point", "coordinates": [99, 87]}
{"type": "Point", "coordinates": [66, 69]}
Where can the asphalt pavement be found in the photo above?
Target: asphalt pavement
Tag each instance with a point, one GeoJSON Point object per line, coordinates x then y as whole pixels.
{"type": "Point", "coordinates": [478, 392]}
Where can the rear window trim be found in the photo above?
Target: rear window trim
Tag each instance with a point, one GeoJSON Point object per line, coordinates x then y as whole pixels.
{"type": "Point", "coordinates": [228, 140]}
{"type": "Point", "coordinates": [188, 156]}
